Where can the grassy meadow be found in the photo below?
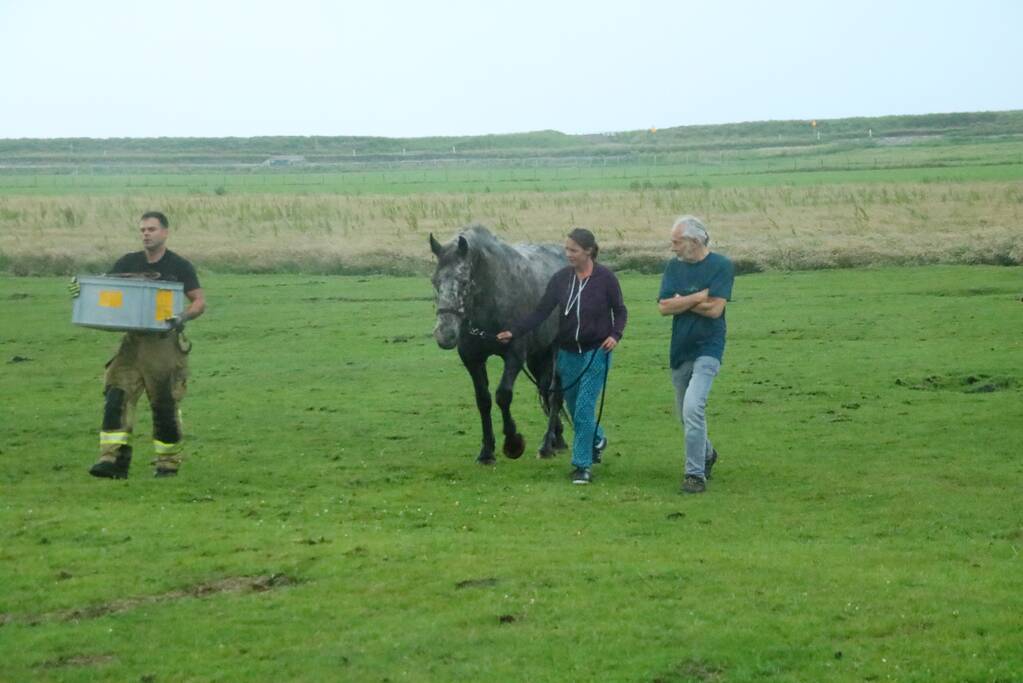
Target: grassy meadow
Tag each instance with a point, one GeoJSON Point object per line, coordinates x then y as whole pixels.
{"type": "Point", "coordinates": [708, 172]}
{"type": "Point", "coordinates": [330, 523]}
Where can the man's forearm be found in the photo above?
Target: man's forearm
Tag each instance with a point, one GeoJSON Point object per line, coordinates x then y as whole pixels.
{"type": "Point", "coordinates": [196, 306]}
{"type": "Point", "coordinates": [712, 308]}
{"type": "Point", "coordinates": [680, 304]}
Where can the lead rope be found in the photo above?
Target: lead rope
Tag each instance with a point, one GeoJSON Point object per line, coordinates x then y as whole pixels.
{"type": "Point", "coordinates": [603, 393]}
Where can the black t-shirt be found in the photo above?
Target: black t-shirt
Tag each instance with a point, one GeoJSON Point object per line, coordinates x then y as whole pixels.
{"type": "Point", "coordinates": [170, 267]}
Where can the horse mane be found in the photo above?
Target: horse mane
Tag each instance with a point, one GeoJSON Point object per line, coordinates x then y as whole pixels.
{"type": "Point", "coordinates": [505, 283]}
{"type": "Point", "coordinates": [483, 242]}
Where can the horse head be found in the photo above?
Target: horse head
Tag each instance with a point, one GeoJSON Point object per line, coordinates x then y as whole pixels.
{"type": "Point", "coordinates": [451, 288]}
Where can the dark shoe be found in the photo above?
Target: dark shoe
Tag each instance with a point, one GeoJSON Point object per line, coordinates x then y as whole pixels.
{"type": "Point", "coordinates": [581, 476]}
{"type": "Point", "coordinates": [165, 473]}
{"type": "Point", "coordinates": [693, 484]}
{"type": "Point", "coordinates": [111, 470]}
{"type": "Point", "coordinates": [598, 449]}
{"type": "Point", "coordinates": [709, 464]}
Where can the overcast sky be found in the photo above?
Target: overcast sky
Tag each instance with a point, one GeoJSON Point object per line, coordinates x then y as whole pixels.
{"type": "Point", "coordinates": [142, 68]}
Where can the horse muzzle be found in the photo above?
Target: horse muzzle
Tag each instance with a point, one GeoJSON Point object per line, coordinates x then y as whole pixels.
{"type": "Point", "coordinates": [445, 332]}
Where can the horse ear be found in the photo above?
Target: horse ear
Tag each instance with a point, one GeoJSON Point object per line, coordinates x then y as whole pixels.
{"type": "Point", "coordinates": [434, 245]}
{"type": "Point", "coordinates": [463, 246]}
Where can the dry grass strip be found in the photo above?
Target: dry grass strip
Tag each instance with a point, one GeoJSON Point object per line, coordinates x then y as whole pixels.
{"type": "Point", "coordinates": [766, 228]}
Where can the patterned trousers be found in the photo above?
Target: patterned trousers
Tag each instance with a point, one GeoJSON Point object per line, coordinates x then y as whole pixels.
{"type": "Point", "coordinates": [584, 387]}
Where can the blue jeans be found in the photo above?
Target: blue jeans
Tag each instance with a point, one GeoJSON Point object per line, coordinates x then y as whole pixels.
{"type": "Point", "coordinates": [582, 398]}
{"type": "Point", "coordinates": [692, 381]}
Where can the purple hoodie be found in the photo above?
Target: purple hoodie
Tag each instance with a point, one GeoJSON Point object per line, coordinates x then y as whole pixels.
{"type": "Point", "coordinates": [588, 312]}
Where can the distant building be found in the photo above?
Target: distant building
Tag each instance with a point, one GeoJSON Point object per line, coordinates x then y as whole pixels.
{"type": "Point", "coordinates": [285, 160]}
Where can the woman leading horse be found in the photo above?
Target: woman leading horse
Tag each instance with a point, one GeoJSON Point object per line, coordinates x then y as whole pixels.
{"type": "Point", "coordinates": [591, 321]}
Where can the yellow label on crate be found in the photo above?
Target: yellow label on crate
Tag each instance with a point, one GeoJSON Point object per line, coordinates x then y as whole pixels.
{"type": "Point", "coordinates": [111, 299]}
{"type": "Point", "coordinates": [164, 304]}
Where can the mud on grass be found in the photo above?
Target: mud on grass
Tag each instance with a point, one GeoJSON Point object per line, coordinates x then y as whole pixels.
{"type": "Point", "coordinates": [234, 584]}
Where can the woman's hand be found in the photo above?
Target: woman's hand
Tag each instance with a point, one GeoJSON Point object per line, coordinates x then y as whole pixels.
{"type": "Point", "coordinates": [609, 344]}
{"type": "Point", "coordinates": [504, 337]}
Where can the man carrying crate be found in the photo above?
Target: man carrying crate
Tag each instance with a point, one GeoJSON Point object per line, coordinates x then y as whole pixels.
{"type": "Point", "coordinates": [154, 362]}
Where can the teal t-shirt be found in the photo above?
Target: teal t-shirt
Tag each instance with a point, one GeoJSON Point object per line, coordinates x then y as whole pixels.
{"type": "Point", "coordinates": [694, 335]}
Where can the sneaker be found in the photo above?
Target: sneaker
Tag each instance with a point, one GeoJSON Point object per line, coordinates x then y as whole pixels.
{"type": "Point", "coordinates": [581, 476]}
{"type": "Point", "coordinates": [106, 469]}
{"type": "Point", "coordinates": [598, 449]}
{"type": "Point", "coordinates": [709, 464]}
{"type": "Point", "coordinates": [693, 484]}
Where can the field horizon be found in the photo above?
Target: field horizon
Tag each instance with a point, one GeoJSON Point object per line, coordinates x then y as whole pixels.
{"type": "Point", "coordinates": [780, 138]}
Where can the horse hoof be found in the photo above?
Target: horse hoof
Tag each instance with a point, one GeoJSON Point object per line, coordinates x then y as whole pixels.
{"type": "Point", "coordinates": [486, 459]}
{"type": "Point", "coordinates": [548, 449]}
{"type": "Point", "coordinates": [514, 446]}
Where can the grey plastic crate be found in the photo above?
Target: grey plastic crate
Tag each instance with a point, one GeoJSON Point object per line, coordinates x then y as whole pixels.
{"type": "Point", "coordinates": [127, 304]}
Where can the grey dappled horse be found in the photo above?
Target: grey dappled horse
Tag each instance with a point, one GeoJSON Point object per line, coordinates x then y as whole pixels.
{"type": "Point", "coordinates": [482, 286]}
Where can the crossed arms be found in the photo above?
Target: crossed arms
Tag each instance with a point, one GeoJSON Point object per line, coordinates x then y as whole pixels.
{"type": "Point", "coordinates": [700, 303]}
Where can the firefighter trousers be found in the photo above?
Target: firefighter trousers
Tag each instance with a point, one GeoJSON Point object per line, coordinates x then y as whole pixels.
{"type": "Point", "coordinates": [156, 364]}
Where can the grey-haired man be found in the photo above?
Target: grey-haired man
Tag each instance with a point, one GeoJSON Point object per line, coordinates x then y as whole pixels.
{"type": "Point", "coordinates": [694, 289]}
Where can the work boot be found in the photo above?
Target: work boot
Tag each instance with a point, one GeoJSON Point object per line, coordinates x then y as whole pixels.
{"type": "Point", "coordinates": [112, 469]}
{"type": "Point", "coordinates": [166, 466]}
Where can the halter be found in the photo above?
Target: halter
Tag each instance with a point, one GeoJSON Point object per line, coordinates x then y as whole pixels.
{"type": "Point", "coordinates": [471, 329]}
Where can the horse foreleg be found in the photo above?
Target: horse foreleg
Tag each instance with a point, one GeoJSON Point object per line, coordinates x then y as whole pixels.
{"type": "Point", "coordinates": [514, 444]}
{"type": "Point", "coordinates": [478, 372]}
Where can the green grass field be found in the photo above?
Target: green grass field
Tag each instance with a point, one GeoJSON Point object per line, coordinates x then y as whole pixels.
{"type": "Point", "coordinates": [797, 172]}
{"type": "Point", "coordinates": [330, 523]}
{"type": "Point", "coordinates": [959, 148]}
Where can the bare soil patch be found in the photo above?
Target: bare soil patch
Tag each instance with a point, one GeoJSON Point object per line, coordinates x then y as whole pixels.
{"type": "Point", "coordinates": [232, 584]}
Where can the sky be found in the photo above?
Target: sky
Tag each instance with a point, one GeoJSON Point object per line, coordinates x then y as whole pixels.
{"type": "Point", "coordinates": [209, 68]}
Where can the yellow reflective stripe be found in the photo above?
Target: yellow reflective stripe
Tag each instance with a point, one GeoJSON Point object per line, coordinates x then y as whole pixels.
{"type": "Point", "coordinates": [163, 448]}
{"type": "Point", "coordinates": [115, 438]}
